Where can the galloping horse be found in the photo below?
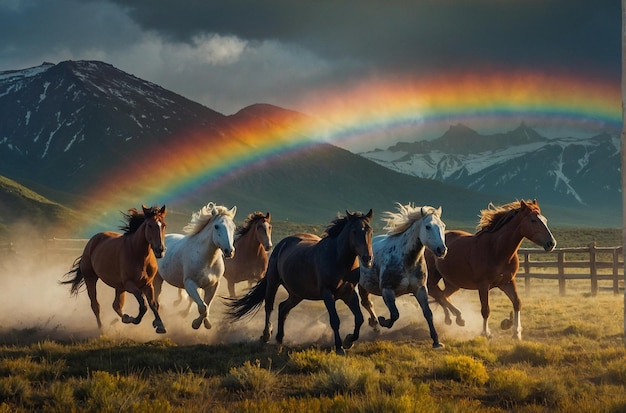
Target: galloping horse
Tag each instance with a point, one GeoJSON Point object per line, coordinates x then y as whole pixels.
{"type": "Point", "coordinates": [125, 262]}
{"type": "Point", "coordinates": [253, 239]}
{"type": "Point", "coordinates": [488, 259]}
{"type": "Point", "coordinates": [314, 268]}
{"type": "Point", "coordinates": [195, 260]}
{"type": "Point", "coordinates": [399, 267]}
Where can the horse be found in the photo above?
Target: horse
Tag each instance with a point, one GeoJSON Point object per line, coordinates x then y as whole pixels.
{"type": "Point", "coordinates": [488, 259]}
{"type": "Point", "coordinates": [253, 240]}
{"type": "Point", "coordinates": [196, 259]}
{"type": "Point", "coordinates": [400, 267]}
{"type": "Point", "coordinates": [125, 262]}
{"type": "Point", "coordinates": [314, 268]}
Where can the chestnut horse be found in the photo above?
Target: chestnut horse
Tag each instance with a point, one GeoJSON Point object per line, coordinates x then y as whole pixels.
{"type": "Point", "coordinates": [314, 268]}
{"type": "Point", "coordinates": [253, 239]}
{"type": "Point", "coordinates": [399, 267]}
{"type": "Point", "coordinates": [488, 259]}
{"type": "Point", "coordinates": [126, 262]}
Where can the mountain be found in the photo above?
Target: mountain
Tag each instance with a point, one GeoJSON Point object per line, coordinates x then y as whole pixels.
{"type": "Point", "coordinates": [68, 126]}
{"type": "Point", "coordinates": [569, 172]}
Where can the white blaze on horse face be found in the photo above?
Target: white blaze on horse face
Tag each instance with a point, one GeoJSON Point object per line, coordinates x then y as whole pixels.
{"type": "Point", "coordinates": [549, 243]}
{"type": "Point", "coordinates": [432, 235]}
{"type": "Point", "coordinates": [266, 236]}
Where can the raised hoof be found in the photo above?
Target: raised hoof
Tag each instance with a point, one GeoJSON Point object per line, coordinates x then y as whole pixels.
{"type": "Point", "coordinates": [161, 330]}
{"type": "Point", "coordinates": [126, 319]}
{"type": "Point", "coordinates": [207, 324]}
{"type": "Point", "coordinates": [460, 322]}
{"type": "Point", "coordinates": [264, 339]}
{"type": "Point", "coordinates": [372, 322]}
{"type": "Point", "coordinates": [196, 323]}
{"type": "Point", "coordinates": [438, 346]}
{"type": "Point", "coordinates": [448, 321]}
{"type": "Point", "coordinates": [384, 322]}
{"type": "Point", "coordinates": [349, 341]}
{"type": "Point", "coordinates": [506, 324]}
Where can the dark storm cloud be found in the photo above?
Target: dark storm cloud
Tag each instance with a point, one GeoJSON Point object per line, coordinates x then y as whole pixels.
{"type": "Point", "coordinates": [418, 34]}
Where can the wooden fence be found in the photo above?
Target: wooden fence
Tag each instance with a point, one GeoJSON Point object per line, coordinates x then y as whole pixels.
{"type": "Point", "coordinates": [582, 263]}
{"type": "Point", "coordinates": [66, 246]}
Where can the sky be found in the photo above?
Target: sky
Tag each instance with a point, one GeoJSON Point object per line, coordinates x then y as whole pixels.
{"type": "Point", "coordinates": [385, 66]}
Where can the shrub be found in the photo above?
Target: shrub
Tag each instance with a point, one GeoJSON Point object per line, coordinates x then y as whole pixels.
{"type": "Point", "coordinates": [465, 369]}
{"type": "Point", "coordinates": [536, 354]}
{"type": "Point", "coordinates": [252, 378]}
{"type": "Point", "coordinates": [511, 385]}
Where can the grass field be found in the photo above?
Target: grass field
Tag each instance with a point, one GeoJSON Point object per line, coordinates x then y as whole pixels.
{"type": "Point", "coordinates": [53, 359]}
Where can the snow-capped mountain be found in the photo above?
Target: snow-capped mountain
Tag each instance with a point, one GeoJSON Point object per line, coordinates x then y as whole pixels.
{"type": "Point", "coordinates": [519, 164]}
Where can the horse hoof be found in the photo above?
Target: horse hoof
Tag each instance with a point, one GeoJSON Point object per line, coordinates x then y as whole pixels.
{"type": "Point", "coordinates": [161, 330]}
{"type": "Point", "coordinates": [438, 346]}
{"type": "Point", "coordinates": [385, 323]}
{"type": "Point", "coordinates": [196, 323]}
{"type": "Point", "coordinates": [126, 319]}
{"type": "Point", "coordinates": [264, 339]}
{"type": "Point", "coordinates": [207, 324]}
{"type": "Point", "coordinates": [372, 322]}
{"type": "Point", "coordinates": [506, 324]}
{"type": "Point", "coordinates": [460, 322]}
{"type": "Point", "coordinates": [448, 321]}
{"type": "Point", "coordinates": [340, 351]}
{"type": "Point", "coordinates": [349, 341]}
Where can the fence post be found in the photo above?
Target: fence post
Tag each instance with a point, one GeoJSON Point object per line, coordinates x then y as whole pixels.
{"type": "Point", "coordinates": [561, 270]}
{"type": "Point", "coordinates": [615, 274]}
{"type": "Point", "coordinates": [593, 270]}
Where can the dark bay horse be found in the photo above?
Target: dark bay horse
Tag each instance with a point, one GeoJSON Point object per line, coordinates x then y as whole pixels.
{"type": "Point", "coordinates": [314, 268]}
{"type": "Point", "coordinates": [126, 262]}
{"type": "Point", "coordinates": [400, 267]}
{"type": "Point", "coordinates": [488, 259]}
{"type": "Point", "coordinates": [253, 239]}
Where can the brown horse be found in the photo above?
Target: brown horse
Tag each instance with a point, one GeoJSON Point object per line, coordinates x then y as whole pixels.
{"type": "Point", "coordinates": [314, 268]}
{"type": "Point", "coordinates": [253, 241]}
{"type": "Point", "coordinates": [126, 262]}
{"type": "Point", "coordinates": [488, 259]}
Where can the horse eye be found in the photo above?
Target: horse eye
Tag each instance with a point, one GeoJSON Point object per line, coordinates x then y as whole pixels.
{"type": "Point", "coordinates": [216, 227]}
{"type": "Point", "coordinates": [428, 227]}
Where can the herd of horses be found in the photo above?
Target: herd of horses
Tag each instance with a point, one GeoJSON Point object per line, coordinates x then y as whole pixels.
{"type": "Point", "coordinates": [415, 256]}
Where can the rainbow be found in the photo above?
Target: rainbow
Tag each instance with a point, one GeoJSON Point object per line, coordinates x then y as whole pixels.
{"type": "Point", "coordinates": [362, 113]}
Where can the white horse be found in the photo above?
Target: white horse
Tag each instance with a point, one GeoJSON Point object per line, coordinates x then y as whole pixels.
{"type": "Point", "coordinates": [196, 260]}
{"type": "Point", "coordinates": [399, 266]}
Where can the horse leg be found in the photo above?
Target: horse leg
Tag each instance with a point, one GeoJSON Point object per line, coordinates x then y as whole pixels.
{"type": "Point", "coordinates": [483, 294]}
{"type": "Point", "coordinates": [510, 289]}
{"type": "Point", "coordinates": [422, 298]}
{"type": "Point", "coordinates": [283, 310]}
{"type": "Point", "coordinates": [118, 302]}
{"type": "Point", "coordinates": [209, 293]}
{"type": "Point", "coordinates": [231, 289]}
{"type": "Point", "coordinates": [192, 289]}
{"type": "Point", "coordinates": [367, 304]}
{"type": "Point", "coordinates": [180, 297]}
{"type": "Point", "coordinates": [132, 288]}
{"type": "Point", "coordinates": [329, 301]}
{"type": "Point", "coordinates": [90, 283]}
{"type": "Point", "coordinates": [389, 297]}
{"type": "Point", "coordinates": [352, 301]}
{"type": "Point", "coordinates": [157, 288]}
{"type": "Point", "coordinates": [270, 295]}
{"type": "Point", "coordinates": [149, 292]}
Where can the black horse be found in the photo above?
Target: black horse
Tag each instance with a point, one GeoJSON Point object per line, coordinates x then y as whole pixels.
{"type": "Point", "coordinates": [314, 268]}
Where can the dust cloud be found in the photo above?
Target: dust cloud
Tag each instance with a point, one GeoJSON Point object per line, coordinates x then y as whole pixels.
{"type": "Point", "coordinates": [34, 306]}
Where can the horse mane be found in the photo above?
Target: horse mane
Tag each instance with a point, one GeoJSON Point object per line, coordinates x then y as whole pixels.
{"type": "Point", "coordinates": [336, 226]}
{"type": "Point", "coordinates": [204, 216]}
{"type": "Point", "coordinates": [244, 228]}
{"type": "Point", "coordinates": [495, 217]}
{"type": "Point", "coordinates": [134, 219]}
{"type": "Point", "coordinates": [398, 222]}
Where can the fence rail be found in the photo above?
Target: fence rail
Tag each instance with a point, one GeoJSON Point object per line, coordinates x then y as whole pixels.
{"type": "Point", "coordinates": [591, 263]}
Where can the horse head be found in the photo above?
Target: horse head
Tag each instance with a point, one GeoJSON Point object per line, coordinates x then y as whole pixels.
{"type": "Point", "coordinates": [432, 231]}
{"type": "Point", "coordinates": [224, 230]}
{"type": "Point", "coordinates": [534, 226]}
{"type": "Point", "coordinates": [264, 232]}
{"type": "Point", "coordinates": [155, 229]}
{"type": "Point", "coordinates": [361, 236]}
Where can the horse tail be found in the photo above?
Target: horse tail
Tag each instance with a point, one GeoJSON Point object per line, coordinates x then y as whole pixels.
{"type": "Point", "coordinates": [78, 281]}
{"type": "Point", "coordinates": [249, 304]}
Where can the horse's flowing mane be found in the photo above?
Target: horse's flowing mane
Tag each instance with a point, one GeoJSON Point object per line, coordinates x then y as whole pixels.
{"type": "Point", "coordinates": [204, 216]}
{"type": "Point", "coordinates": [247, 223]}
{"type": "Point", "coordinates": [398, 222]}
{"type": "Point", "coordinates": [134, 219]}
{"type": "Point", "coordinates": [336, 226]}
{"type": "Point", "coordinates": [494, 217]}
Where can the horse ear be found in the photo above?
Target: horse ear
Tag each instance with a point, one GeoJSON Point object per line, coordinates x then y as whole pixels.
{"type": "Point", "coordinates": [523, 204]}
{"type": "Point", "coordinates": [370, 214]}
{"type": "Point", "coordinates": [439, 211]}
{"type": "Point", "coordinates": [233, 210]}
{"type": "Point", "coordinates": [163, 211]}
{"type": "Point", "coordinates": [348, 213]}
{"type": "Point", "coordinates": [268, 217]}
{"type": "Point", "coordinates": [145, 209]}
